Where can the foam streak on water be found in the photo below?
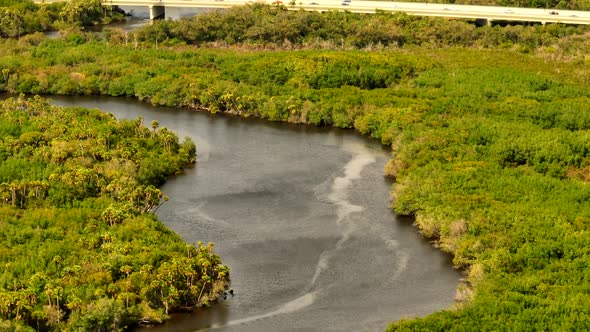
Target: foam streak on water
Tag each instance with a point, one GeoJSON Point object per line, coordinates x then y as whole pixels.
{"type": "Point", "coordinates": [292, 306]}
{"type": "Point", "coordinates": [337, 195]}
{"type": "Point", "coordinates": [199, 213]}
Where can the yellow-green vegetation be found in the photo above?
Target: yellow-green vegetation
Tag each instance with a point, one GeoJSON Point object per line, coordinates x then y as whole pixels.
{"type": "Point", "coordinates": [270, 27]}
{"type": "Point", "coordinates": [21, 17]}
{"type": "Point", "coordinates": [80, 249]}
{"type": "Point", "coordinates": [559, 4]}
{"type": "Point", "coordinates": [489, 127]}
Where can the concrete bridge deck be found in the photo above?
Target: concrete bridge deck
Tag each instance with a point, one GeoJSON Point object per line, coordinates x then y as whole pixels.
{"type": "Point", "coordinates": [488, 13]}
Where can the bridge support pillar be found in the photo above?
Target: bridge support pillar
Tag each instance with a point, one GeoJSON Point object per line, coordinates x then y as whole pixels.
{"type": "Point", "coordinates": [157, 12]}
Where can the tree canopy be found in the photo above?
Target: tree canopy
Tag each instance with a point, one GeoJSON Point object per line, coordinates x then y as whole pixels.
{"type": "Point", "coordinates": [80, 247]}
{"type": "Point", "coordinates": [22, 17]}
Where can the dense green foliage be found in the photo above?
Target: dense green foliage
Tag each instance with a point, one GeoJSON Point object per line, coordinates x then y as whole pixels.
{"type": "Point", "coordinates": [559, 4]}
{"type": "Point", "coordinates": [80, 248]}
{"type": "Point", "coordinates": [270, 26]}
{"type": "Point", "coordinates": [497, 173]}
{"type": "Point", "coordinates": [491, 147]}
{"type": "Point", "coordinates": [21, 17]}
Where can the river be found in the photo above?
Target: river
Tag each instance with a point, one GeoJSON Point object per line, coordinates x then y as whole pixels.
{"type": "Point", "coordinates": [301, 216]}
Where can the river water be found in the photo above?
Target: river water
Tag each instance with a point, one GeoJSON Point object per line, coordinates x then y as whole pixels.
{"type": "Point", "coordinates": [301, 216]}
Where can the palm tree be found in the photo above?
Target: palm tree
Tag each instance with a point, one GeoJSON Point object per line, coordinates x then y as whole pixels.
{"type": "Point", "coordinates": [155, 125]}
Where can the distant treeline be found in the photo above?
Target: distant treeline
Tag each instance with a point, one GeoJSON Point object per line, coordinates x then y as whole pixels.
{"type": "Point", "coordinates": [80, 249]}
{"type": "Point", "coordinates": [21, 17]}
{"type": "Point", "coordinates": [558, 4]}
{"type": "Point", "coordinates": [262, 26]}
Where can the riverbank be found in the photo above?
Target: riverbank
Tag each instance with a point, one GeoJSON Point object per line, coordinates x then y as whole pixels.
{"type": "Point", "coordinates": [81, 246]}
{"type": "Point", "coordinates": [298, 214]}
{"type": "Point", "coordinates": [24, 17]}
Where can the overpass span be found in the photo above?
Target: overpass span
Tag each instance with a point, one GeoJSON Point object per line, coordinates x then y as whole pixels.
{"type": "Point", "coordinates": [487, 13]}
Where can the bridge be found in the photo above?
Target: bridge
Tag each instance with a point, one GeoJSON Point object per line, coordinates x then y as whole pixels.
{"type": "Point", "coordinates": [488, 14]}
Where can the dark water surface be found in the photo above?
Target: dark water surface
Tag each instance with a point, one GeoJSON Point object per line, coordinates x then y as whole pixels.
{"type": "Point", "coordinates": [301, 216]}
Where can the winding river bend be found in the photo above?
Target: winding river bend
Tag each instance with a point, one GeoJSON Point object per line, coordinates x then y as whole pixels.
{"type": "Point", "coordinates": [301, 216]}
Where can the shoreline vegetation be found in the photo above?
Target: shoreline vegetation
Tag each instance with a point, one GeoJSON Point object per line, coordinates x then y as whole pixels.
{"type": "Point", "coordinates": [80, 246]}
{"type": "Point", "coordinates": [489, 127]}
{"type": "Point", "coordinates": [19, 18]}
